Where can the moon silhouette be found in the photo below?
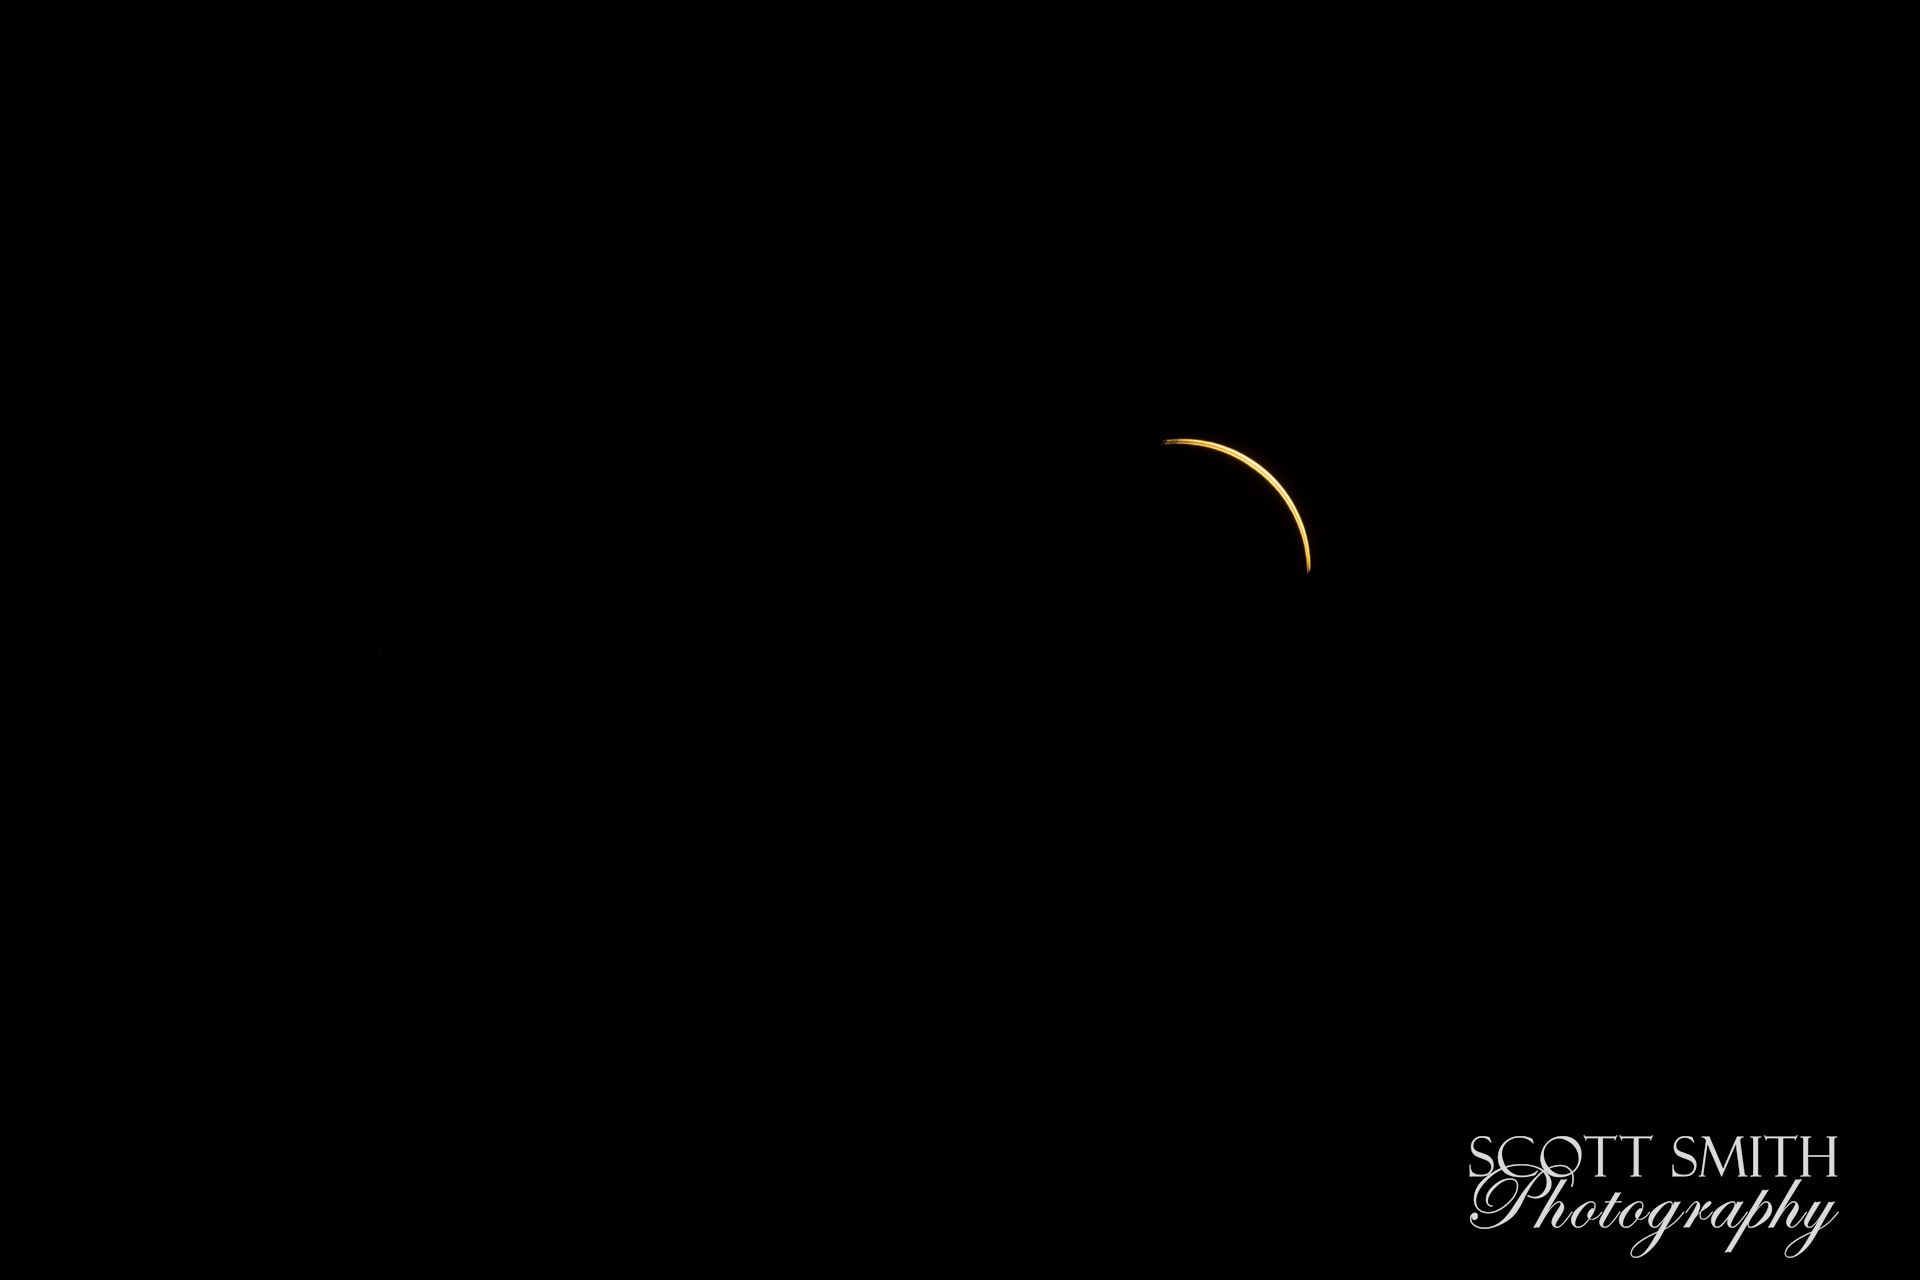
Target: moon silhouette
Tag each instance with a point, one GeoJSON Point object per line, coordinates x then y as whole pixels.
{"type": "Point", "coordinates": [1268, 476]}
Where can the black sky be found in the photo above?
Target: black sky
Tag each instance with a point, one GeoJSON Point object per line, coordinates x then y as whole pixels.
{"type": "Point", "coordinates": [821, 589]}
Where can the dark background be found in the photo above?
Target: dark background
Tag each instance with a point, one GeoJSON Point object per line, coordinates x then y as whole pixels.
{"type": "Point", "coordinates": [1056, 871]}
{"type": "Point", "coordinates": [756, 592]}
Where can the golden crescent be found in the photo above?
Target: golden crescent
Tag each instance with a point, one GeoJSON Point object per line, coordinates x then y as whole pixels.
{"type": "Point", "coordinates": [1268, 476]}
